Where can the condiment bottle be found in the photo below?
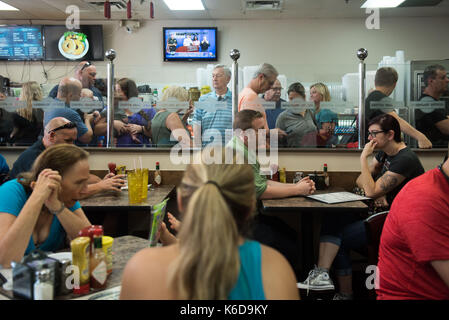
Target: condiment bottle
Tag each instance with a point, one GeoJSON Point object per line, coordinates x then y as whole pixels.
{"type": "Point", "coordinates": [80, 259]}
{"type": "Point", "coordinates": [43, 288]}
{"type": "Point", "coordinates": [282, 176]}
{"type": "Point", "coordinates": [98, 266]}
{"type": "Point", "coordinates": [157, 176]}
{"type": "Point", "coordinates": [298, 177]}
{"type": "Point", "coordinates": [326, 175]}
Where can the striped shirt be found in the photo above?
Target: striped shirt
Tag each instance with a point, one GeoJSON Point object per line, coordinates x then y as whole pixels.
{"type": "Point", "coordinates": [215, 122]}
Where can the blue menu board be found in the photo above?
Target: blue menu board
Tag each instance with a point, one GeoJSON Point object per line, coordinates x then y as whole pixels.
{"type": "Point", "coordinates": [21, 43]}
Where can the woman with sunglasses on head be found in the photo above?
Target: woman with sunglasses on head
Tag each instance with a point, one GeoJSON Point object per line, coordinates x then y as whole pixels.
{"type": "Point", "coordinates": [212, 259]}
{"type": "Point", "coordinates": [40, 207]}
{"type": "Point", "coordinates": [393, 166]}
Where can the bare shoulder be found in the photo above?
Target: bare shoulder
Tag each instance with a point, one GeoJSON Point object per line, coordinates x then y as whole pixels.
{"type": "Point", "coordinates": [278, 278]}
{"type": "Point", "coordinates": [146, 271]}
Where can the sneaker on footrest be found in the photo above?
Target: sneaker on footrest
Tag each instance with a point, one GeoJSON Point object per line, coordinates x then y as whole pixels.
{"type": "Point", "coordinates": [318, 280]}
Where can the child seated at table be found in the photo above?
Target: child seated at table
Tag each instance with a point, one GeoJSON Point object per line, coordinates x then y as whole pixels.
{"type": "Point", "coordinates": [212, 259]}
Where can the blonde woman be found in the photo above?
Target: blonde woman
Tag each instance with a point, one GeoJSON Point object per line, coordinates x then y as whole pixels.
{"type": "Point", "coordinates": [319, 92]}
{"type": "Point", "coordinates": [212, 259]}
{"type": "Point", "coordinates": [165, 122]}
{"type": "Point", "coordinates": [28, 121]}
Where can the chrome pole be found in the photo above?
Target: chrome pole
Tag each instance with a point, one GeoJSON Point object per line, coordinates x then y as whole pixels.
{"type": "Point", "coordinates": [362, 54]}
{"type": "Point", "coordinates": [235, 55]}
{"type": "Point", "coordinates": [110, 54]}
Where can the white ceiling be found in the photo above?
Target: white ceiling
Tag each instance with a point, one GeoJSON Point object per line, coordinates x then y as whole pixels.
{"type": "Point", "coordinates": [215, 10]}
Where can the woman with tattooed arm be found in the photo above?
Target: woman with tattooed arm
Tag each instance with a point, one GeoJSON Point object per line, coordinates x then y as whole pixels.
{"type": "Point", "coordinates": [392, 167]}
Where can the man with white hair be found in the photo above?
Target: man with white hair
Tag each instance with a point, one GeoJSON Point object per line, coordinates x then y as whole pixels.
{"type": "Point", "coordinates": [212, 123]}
{"type": "Point", "coordinates": [85, 72]}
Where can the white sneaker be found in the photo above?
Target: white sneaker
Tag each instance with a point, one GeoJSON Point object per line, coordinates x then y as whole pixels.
{"type": "Point", "coordinates": [341, 296]}
{"type": "Point", "coordinates": [318, 280]}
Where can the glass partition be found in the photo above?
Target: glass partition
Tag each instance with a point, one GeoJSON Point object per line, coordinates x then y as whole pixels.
{"type": "Point", "coordinates": [308, 106]}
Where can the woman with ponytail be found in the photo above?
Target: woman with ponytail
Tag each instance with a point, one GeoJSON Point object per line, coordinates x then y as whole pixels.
{"type": "Point", "coordinates": [212, 259]}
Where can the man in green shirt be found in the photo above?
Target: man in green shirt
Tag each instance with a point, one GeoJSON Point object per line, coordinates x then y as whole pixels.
{"type": "Point", "coordinates": [265, 189]}
{"type": "Point", "coordinates": [267, 229]}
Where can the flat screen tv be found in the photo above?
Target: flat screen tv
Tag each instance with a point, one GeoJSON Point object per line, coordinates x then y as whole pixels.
{"type": "Point", "coordinates": [190, 44]}
{"type": "Point", "coordinates": [21, 42]}
{"type": "Point", "coordinates": [85, 43]}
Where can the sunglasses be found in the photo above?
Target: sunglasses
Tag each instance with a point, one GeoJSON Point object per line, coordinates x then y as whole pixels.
{"type": "Point", "coordinates": [68, 125]}
{"type": "Point", "coordinates": [86, 65]}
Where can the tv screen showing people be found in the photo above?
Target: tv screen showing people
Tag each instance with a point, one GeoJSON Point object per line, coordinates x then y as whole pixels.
{"type": "Point", "coordinates": [190, 44]}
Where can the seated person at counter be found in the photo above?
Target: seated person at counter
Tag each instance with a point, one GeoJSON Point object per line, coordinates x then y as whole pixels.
{"type": "Point", "coordinates": [326, 122]}
{"type": "Point", "coordinates": [41, 207]}
{"type": "Point", "coordinates": [69, 89]}
{"type": "Point", "coordinates": [435, 125]}
{"type": "Point", "coordinates": [415, 241]}
{"type": "Point", "coordinates": [269, 230]}
{"type": "Point", "coordinates": [219, 120]}
{"type": "Point", "coordinates": [390, 170]}
{"type": "Point", "coordinates": [165, 123]}
{"type": "Point", "coordinates": [217, 202]}
{"type": "Point", "coordinates": [299, 125]}
{"type": "Point", "coordinates": [134, 129]}
{"type": "Point", "coordinates": [85, 72]}
{"type": "Point", "coordinates": [27, 121]}
{"type": "Point", "coordinates": [385, 82]}
{"type": "Point", "coordinates": [274, 95]}
{"type": "Point", "coordinates": [319, 92]}
{"type": "Point", "coordinates": [57, 131]}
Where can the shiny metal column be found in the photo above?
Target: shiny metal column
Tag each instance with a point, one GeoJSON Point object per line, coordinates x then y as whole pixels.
{"type": "Point", "coordinates": [362, 54]}
{"type": "Point", "coordinates": [110, 54]}
{"type": "Point", "coordinates": [235, 55]}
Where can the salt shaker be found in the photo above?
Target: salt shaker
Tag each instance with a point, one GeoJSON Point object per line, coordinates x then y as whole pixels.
{"type": "Point", "coordinates": [43, 287]}
{"type": "Point", "coordinates": [298, 177]}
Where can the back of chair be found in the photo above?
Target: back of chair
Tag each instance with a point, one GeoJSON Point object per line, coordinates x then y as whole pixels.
{"type": "Point", "coordinates": [374, 225]}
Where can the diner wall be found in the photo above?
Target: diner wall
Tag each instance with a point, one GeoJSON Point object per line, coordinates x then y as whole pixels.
{"type": "Point", "coordinates": [303, 49]}
{"type": "Point", "coordinates": [337, 160]}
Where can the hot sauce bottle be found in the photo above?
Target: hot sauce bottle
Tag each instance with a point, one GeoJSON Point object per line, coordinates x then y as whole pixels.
{"type": "Point", "coordinates": [98, 265]}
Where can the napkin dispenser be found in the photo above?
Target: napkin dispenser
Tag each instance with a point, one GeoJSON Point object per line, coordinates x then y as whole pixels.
{"type": "Point", "coordinates": [23, 273]}
{"type": "Point", "coordinates": [319, 181]}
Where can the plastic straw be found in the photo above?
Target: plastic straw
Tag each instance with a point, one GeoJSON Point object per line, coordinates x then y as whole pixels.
{"type": "Point", "coordinates": [140, 159]}
{"type": "Point", "coordinates": [135, 167]}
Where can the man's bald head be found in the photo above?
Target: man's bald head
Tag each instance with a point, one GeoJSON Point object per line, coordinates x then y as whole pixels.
{"type": "Point", "coordinates": [86, 73]}
{"type": "Point", "coordinates": [69, 89]}
{"type": "Point", "coordinates": [56, 133]}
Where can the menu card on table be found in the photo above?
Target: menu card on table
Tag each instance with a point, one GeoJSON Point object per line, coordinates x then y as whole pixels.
{"type": "Point", "coordinates": [337, 197]}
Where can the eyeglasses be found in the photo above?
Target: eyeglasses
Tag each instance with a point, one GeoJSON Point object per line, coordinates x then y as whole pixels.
{"type": "Point", "coordinates": [68, 125]}
{"type": "Point", "coordinates": [375, 133]}
{"type": "Point", "coordinates": [277, 89]}
{"type": "Point", "coordinates": [86, 65]}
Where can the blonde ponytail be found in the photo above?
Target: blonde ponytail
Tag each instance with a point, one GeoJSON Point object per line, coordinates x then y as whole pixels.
{"type": "Point", "coordinates": [218, 200]}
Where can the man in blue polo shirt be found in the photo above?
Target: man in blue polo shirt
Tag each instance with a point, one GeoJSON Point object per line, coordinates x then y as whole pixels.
{"type": "Point", "coordinates": [85, 72]}
{"type": "Point", "coordinates": [215, 122]}
{"type": "Point", "coordinates": [69, 89]}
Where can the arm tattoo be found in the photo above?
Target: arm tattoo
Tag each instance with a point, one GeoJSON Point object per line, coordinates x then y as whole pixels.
{"type": "Point", "coordinates": [388, 182]}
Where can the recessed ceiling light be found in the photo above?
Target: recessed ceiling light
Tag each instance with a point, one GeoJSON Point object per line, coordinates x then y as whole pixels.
{"type": "Point", "coordinates": [381, 3]}
{"type": "Point", "coordinates": [7, 7]}
{"type": "Point", "coordinates": [184, 4]}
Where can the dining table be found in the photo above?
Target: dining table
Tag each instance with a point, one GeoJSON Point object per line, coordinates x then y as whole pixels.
{"type": "Point", "coordinates": [307, 208]}
{"type": "Point", "coordinates": [123, 249]}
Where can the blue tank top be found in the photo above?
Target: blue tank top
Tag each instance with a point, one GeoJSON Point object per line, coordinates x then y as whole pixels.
{"type": "Point", "coordinates": [249, 284]}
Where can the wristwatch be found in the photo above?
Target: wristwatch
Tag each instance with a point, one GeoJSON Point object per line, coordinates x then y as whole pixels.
{"type": "Point", "coordinates": [56, 212]}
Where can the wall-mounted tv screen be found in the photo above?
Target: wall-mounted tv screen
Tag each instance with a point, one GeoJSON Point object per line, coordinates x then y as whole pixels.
{"type": "Point", "coordinates": [21, 43]}
{"type": "Point", "coordinates": [190, 44]}
{"type": "Point", "coordinates": [85, 43]}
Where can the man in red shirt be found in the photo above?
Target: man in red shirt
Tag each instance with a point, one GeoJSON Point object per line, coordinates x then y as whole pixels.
{"type": "Point", "coordinates": [414, 247]}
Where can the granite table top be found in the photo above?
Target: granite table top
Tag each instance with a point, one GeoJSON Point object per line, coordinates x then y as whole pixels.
{"type": "Point", "coordinates": [119, 200]}
{"type": "Point", "coordinates": [123, 249]}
